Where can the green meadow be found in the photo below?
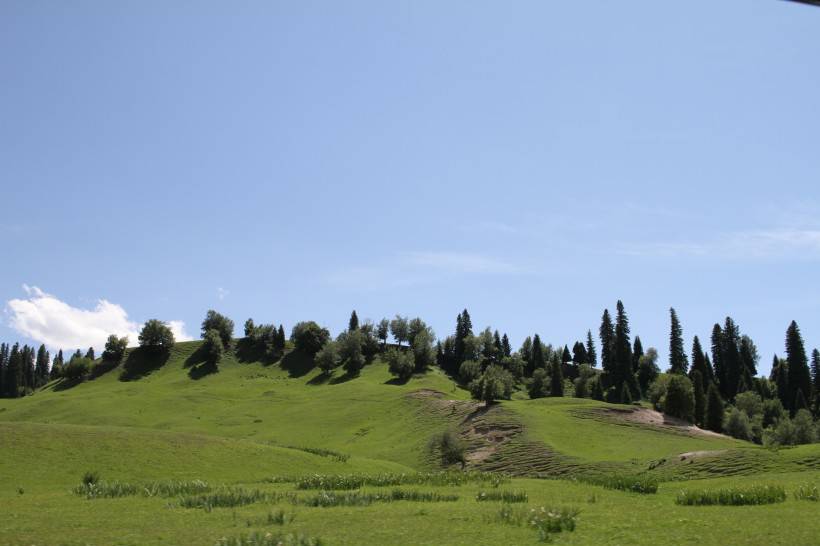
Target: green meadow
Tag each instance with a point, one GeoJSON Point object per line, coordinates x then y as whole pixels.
{"type": "Point", "coordinates": [249, 431]}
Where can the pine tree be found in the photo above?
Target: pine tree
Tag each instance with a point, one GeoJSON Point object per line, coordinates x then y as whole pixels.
{"type": "Point", "coordinates": [677, 355]}
{"type": "Point", "coordinates": [353, 324]}
{"type": "Point", "coordinates": [57, 365]}
{"type": "Point", "coordinates": [90, 353]}
{"type": "Point", "coordinates": [622, 373]}
{"type": "Point", "coordinates": [281, 338]}
{"type": "Point", "coordinates": [505, 345]}
{"type": "Point", "coordinates": [799, 376]}
{"type": "Point", "coordinates": [700, 396]}
{"type": "Point", "coordinates": [592, 356]}
{"type": "Point", "coordinates": [780, 377]}
{"type": "Point", "coordinates": [29, 376]}
{"type": "Point", "coordinates": [537, 360]}
{"type": "Point", "coordinates": [464, 329]}
{"type": "Point", "coordinates": [748, 356]}
{"type": "Point", "coordinates": [714, 409]}
{"type": "Point", "coordinates": [499, 349]}
{"type": "Point", "coordinates": [556, 377]}
{"type": "Point", "coordinates": [14, 372]}
{"type": "Point", "coordinates": [698, 361]}
{"type": "Point", "coordinates": [607, 334]}
{"type": "Point", "coordinates": [730, 356]}
{"type": "Point", "coordinates": [717, 361]}
{"type": "Point", "coordinates": [566, 356]}
{"type": "Point", "coordinates": [815, 379]}
{"type": "Point", "coordinates": [41, 366]}
{"type": "Point", "coordinates": [579, 353]}
{"type": "Point", "coordinates": [3, 365]}
{"type": "Point", "coordinates": [637, 353]}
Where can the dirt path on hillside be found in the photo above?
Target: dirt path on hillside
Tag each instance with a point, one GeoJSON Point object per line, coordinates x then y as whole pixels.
{"type": "Point", "coordinates": [646, 416]}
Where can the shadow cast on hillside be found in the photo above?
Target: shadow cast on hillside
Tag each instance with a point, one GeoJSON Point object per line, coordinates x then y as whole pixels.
{"type": "Point", "coordinates": [102, 368]}
{"type": "Point", "coordinates": [201, 370]}
{"type": "Point", "coordinates": [320, 379]}
{"type": "Point", "coordinates": [66, 384]}
{"type": "Point", "coordinates": [344, 378]}
{"type": "Point", "coordinates": [297, 363]}
{"type": "Point", "coordinates": [398, 381]}
{"type": "Point", "coordinates": [143, 361]}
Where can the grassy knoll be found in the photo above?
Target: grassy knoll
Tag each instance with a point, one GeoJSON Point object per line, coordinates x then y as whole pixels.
{"type": "Point", "coordinates": [248, 422]}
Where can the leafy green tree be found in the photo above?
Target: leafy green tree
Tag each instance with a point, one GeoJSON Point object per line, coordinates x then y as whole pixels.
{"type": "Point", "coordinates": [677, 356]}
{"type": "Point", "coordinates": [115, 349]}
{"type": "Point", "coordinates": [750, 403]}
{"type": "Point", "coordinates": [222, 324]}
{"type": "Point", "coordinates": [799, 376]}
{"type": "Point", "coordinates": [714, 409]}
{"type": "Point", "coordinates": [399, 327]}
{"type": "Point", "coordinates": [773, 412]}
{"type": "Point", "coordinates": [250, 328]}
{"type": "Point", "coordinates": [77, 369]}
{"type": "Point", "coordinates": [607, 335]}
{"type": "Point", "coordinates": [680, 397]}
{"type": "Point", "coordinates": [495, 383]}
{"type": "Point", "coordinates": [213, 347]}
{"type": "Point", "coordinates": [515, 365]}
{"type": "Point", "coordinates": [353, 324]}
{"type": "Point", "coordinates": [556, 376]}
{"type": "Point", "coordinates": [648, 369]}
{"type": "Point", "coordinates": [469, 371]}
{"type": "Point", "coordinates": [308, 337]}
{"type": "Point", "coordinates": [539, 384]}
{"type": "Point", "coordinates": [328, 358]}
{"type": "Point", "coordinates": [156, 336]}
{"type": "Point", "coordinates": [737, 425]}
{"type": "Point", "coordinates": [382, 331]}
{"type": "Point", "coordinates": [351, 350]}
{"type": "Point", "coordinates": [424, 355]}
{"type": "Point", "coordinates": [592, 356]}
{"type": "Point", "coordinates": [582, 382]}
{"type": "Point", "coordinates": [700, 397]}
{"type": "Point", "coordinates": [400, 363]}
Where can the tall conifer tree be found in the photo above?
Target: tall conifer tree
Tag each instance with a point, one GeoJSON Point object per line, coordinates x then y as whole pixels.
{"type": "Point", "coordinates": [637, 353]}
{"type": "Point", "coordinates": [677, 355]}
{"type": "Point", "coordinates": [799, 375]}
{"type": "Point", "coordinates": [353, 323]}
{"type": "Point", "coordinates": [607, 335]}
{"type": "Point", "coordinates": [592, 356]}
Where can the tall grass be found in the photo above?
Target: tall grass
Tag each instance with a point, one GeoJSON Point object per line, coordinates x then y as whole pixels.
{"type": "Point", "coordinates": [625, 482]}
{"type": "Point", "coordinates": [546, 521]}
{"type": "Point", "coordinates": [326, 499]}
{"type": "Point", "coordinates": [269, 539]}
{"type": "Point", "coordinates": [502, 496]}
{"type": "Point", "coordinates": [99, 489]}
{"type": "Point", "coordinates": [732, 496]}
{"type": "Point", "coordinates": [228, 497]}
{"type": "Point", "coordinates": [321, 452]}
{"type": "Point", "coordinates": [342, 482]}
{"type": "Point", "coordinates": [807, 492]}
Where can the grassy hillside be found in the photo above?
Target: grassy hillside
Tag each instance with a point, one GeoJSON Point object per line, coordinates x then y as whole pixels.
{"type": "Point", "coordinates": [237, 428]}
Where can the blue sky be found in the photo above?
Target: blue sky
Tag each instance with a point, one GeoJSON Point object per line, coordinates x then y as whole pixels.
{"type": "Point", "coordinates": [533, 162]}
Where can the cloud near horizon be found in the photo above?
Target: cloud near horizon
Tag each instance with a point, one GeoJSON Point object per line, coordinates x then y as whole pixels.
{"type": "Point", "coordinates": [753, 244]}
{"type": "Point", "coordinates": [46, 319]}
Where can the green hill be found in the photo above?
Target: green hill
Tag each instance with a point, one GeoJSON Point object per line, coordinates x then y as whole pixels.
{"type": "Point", "coordinates": [247, 423]}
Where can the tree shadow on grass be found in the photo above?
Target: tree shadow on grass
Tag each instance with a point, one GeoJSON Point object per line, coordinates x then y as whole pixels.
{"type": "Point", "coordinates": [319, 379]}
{"type": "Point", "coordinates": [102, 368]}
{"type": "Point", "coordinates": [66, 384]}
{"type": "Point", "coordinates": [297, 363]}
{"type": "Point", "coordinates": [344, 378]}
{"type": "Point", "coordinates": [397, 381]}
{"type": "Point", "coordinates": [143, 361]}
{"type": "Point", "coordinates": [198, 364]}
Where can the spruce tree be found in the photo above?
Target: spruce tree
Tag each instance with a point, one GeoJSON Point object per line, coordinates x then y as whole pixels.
{"type": "Point", "coordinates": [815, 379]}
{"type": "Point", "coordinates": [3, 366]}
{"type": "Point", "coordinates": [505, 345]}
{"type": "Point", "coordinates": [730, 356]}
{"type": "Point", "coordinates": [698, 362]}
{"type": "Point", "coordinates": [499, 349]}
{"type": "Point", "coordinates": [592, 356]}
{"type": "Point", "coordinates": [799, 376]}
{"type": "Point", "coordinates": [353, 324]}
{"type": "Point", "coordinates": [700, 396]}
{"type": "Point", "coordinates": [677, 355]}
{"type": "Point", "coordinates": [526, 351]}
{"type": "Point", "coordinates": [89, 354]}
{"type": "Point", "coordinates": [566, 356]}
{"type": "Point", "coordinates": [41, 367]}
{"type": "Point", "coordinates": [780, 377]}
{"type": "Point", "coordinates": [717, 361]}
{"type": "Point", "coordinates": [607, 335]}
{"type": "Point", "coordinates": [537, 360]}
{"type": "Point", "coordinates": [579, 353]}
{"type": "Point", "coordinates": [556, 377]}
{"type": "Point", "coordinates": [748, 356]}
{"type": "Point", "coordinates": [464, 329]}
{"type": "Point", "coordinates": [622, 373]}
{"type": "Point", "coordinates": [637, 353]}
{"type": "Point", "coordinates": [281, 338]}
{"type": "Point", "coordinates": [14, 372]}
{"type": "Point", "coordinates": [714, 409]}
{"type": "Point", "coordinates": [29, 376]}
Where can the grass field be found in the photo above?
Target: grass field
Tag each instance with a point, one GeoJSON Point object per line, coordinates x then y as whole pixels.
{"type": "Point", "coordinates": [248, 423]}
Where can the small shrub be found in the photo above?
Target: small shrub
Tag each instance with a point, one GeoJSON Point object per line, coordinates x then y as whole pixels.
{"type": "Point", "coordinates": [326, 499]}
{"type": "Point", "coordinates": [90, 478]}
{"type": "Point", "coordinates": [732, 496]}
{"type": "Point", "coordinates": [807, 492]}
{"type": "Point", "coordinates": [229, 497]}
{"type": "Point", "coordinates": [545, 521]}
{"type": "Point", "coordinates": [321, 452]}
{"type": "Point", "coordinates": [737, 425]}
{"type": "Point", "coordinates": [400, 363]}
{"type": "Point", "coordinates": [451, 448]}
{"type": "Point", "coordinates": [356, 481]}
{"type": "Point", "coordinates": [502, 496]}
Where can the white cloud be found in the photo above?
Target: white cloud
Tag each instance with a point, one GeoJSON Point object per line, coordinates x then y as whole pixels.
{"type": "Point", "coordinates": [221, 293]}
{"type": "Point", "coordinates": [458, 262]}
{"type": "Point", "coordinates": [755, 244]}
{"type": "Point", "coordinates": [49, 320]}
